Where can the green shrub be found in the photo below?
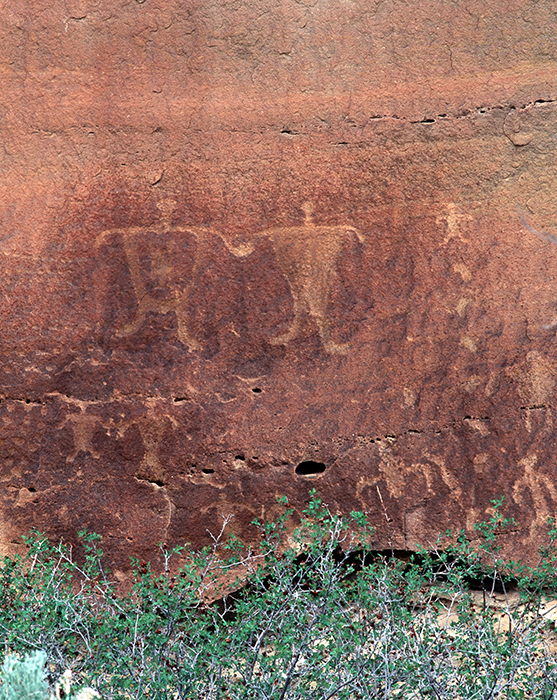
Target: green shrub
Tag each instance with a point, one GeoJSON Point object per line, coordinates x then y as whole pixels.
{"type": "Point", "coordinates": [313, 614]}
{"type": "Point", "coordinates": [24, 679]}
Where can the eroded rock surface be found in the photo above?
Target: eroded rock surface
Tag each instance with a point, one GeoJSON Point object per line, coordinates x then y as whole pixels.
{"type": "Point", "coordinates": [242, 236]}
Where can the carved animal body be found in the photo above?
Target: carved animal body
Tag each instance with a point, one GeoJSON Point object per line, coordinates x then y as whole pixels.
{"type": "Point", "coordinates": [306, 254]}
{"type": "Point", "coordinates": [169, 292]}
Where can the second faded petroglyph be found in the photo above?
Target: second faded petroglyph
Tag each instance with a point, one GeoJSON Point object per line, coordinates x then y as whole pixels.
{"type": "Point", "coordinates": [308, 256]}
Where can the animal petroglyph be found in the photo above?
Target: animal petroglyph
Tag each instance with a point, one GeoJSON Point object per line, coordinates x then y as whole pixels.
{"type": "Point", "coordinates": [167, 291]}
{"type": "Point", "coordinates": [306, 254]}
{"type": "Point", "coordinates": [398, 474]}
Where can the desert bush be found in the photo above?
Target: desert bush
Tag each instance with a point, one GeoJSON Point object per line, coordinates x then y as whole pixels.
{"type": "Point", "coordinates": [311, 614]}
{"type": "Point", "coordinates": [24, 679]}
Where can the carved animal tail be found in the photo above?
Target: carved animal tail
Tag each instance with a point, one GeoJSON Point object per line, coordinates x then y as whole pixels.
{"type": "Point", "coordinates": [239, 251]}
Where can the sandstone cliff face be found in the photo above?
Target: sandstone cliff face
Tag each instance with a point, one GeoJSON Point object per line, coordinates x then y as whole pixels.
{"type": "Point", "coordinates": [240, 236]}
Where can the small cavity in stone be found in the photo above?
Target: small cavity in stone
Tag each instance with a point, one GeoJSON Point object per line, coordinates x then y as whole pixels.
{"type": "Point", "coordinates": [309, 468]}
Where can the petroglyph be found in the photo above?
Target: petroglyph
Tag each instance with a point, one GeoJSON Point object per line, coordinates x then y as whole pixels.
{"type": "Point", "coordinates": [399, 474]}
{"type": "Point", "coordinates": [452, 219]}
{"type": "Point", "coordinates": [447, 477]}
{"type": "Point", "coordinates": [535, 385]}
{"type": "Point", "coordinates": [306, 254]}
{"type": "Point", "coordinates": [462, 305]}
{"type": "Point", "coordinates": [409, 397]}
{"type": "Point", "coordinates": [168, 291]}
{"type": "Point", "coordinates": [152, 427]}
{"type": "Point", "coordinates": [84, 426]}
{"type": "Point", "coordinates": [479, 425]}
{"type": "Point", "coordinates": [468, 343]}
{"type": "Point", "coordinates": [472, 383]}
{"type": "Point", "coordinates": [549, 238]}
{"type": "Point", "coordinates": [463, 271]}
{"type": "Point", "coordinates": [481, 470]}
{"type": "Point", "coordinates": [542, 492]}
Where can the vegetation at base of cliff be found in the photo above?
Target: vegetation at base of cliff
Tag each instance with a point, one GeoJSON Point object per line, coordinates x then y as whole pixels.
{"type": "Point", "coordinates": [315, 614]}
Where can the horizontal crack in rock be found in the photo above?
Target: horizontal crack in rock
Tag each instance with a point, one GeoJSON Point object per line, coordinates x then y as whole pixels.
{"type": "Point", "coordinates": [431, 119]}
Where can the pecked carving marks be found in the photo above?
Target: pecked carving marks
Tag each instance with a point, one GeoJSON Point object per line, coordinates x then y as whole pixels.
{"type": "Point", "coordinates": [548, 238]}
{"type": "Point", "coordinates": [307, 256]}
{"type": "Point", "coordinates": [534, 488]}
{"type": "Point", "coordinates": [452, 219]}
{"type": "Point", "coordinates": [152, 428]}
{"type": "Point", "coordinates": [158, 288]}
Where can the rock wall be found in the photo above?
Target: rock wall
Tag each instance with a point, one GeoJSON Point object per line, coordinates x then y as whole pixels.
{"type": "Point", "coordinates": [240, 237]}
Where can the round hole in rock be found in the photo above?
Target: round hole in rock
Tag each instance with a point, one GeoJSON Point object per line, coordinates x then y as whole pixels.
{"type": "Point", "coordinates": [208, 471]}
{"type": "Point", "coordinates": [257, 390]}
{"type": "Point", "coordinates": [309, 468]}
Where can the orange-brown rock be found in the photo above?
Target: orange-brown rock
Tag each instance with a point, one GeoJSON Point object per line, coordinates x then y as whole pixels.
{"type": "Point", "coordinates": [239, 237]}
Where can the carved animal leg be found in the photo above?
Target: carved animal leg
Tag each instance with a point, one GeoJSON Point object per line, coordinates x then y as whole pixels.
{"type": "Point", "coordinates": [325, 334]}
{"type": "Point", "coordinates": [294, 330]}
{"type": "Point", "coordinates": [180, 304]}
{"type": "Point", "coordinates": [149, 304]}
{"type": "Point", "coordinates": [145, 305]}
{"type": "Point", "coordinates": [318, 301]}
{"type": "Point", "coordinates": [184, 335]}
{"type": "Point", "coordinates": [181, 301]}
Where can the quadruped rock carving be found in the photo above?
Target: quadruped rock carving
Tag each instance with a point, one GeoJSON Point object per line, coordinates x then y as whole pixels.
{"type": "Point", "coordinates": [168, 292]}
{"type": "Point", "coordinates": [306, 254]}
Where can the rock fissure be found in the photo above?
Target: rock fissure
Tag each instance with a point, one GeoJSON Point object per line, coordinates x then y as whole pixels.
{"type": "Point", "coordinates": [431, 119]}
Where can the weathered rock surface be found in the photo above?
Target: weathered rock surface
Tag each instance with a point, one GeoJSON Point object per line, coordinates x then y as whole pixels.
{"type": "Point", "coordinates": [237, 236]}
